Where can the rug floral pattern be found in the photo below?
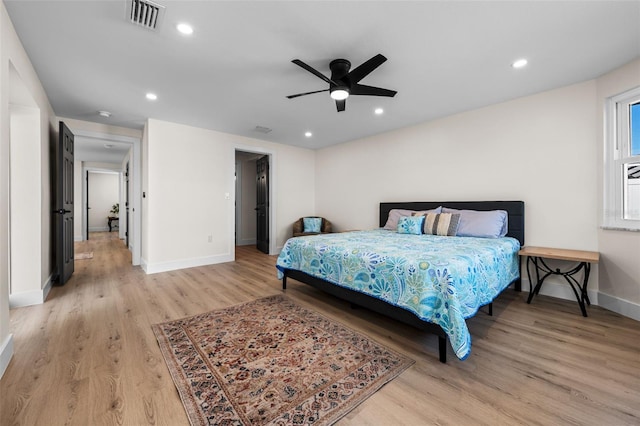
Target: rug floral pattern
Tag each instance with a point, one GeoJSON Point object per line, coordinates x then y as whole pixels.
{"type": "Point", "coordinates": [272, 362]}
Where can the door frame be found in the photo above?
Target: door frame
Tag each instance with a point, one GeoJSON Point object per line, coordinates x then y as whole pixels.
{"type": "Point", "coordinates": [86, 193]}
{"type": "Point", "coordinates": [135, 168]}
{"type": "Point", "coordinates": [272, 193]}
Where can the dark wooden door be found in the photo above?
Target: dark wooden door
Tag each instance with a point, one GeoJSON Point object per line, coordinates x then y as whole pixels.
{"type": "Point", "coordinates": [63, 212]}
{"type": "Point", "coordinates": [126, 203]}
{"type": "Point", "coordinates": [262, 204]}
{"type": "Point", "coordinates": [88, 208]}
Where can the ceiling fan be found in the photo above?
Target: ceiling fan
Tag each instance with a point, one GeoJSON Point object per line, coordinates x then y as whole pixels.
{"type": "Point", "coordinates": [344, 83]}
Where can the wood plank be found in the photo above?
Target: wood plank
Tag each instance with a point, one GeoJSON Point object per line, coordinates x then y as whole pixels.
{"type": "Point", "coordinates": [562, 254]}
{"type": "Point", "coordinates": [88, 355]}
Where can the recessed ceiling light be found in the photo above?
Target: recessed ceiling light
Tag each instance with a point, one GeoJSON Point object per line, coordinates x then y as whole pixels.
{"type": "Point", "coordinates": [519, 63]}
{"type": "Point", "coordinates": [106, 114]}
{"type": "Point", "coordinates": [378, 111]}
{"type": "Point", "coordinates": [308, 134]}
{"type": "Point", "coordinates": [152, 96]}
{"type": "Point", "coordinates": [185, 29]}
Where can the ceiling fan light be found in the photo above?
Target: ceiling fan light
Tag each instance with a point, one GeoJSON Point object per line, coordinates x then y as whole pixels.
{"type": "Point", "coordinates": [339, 93]}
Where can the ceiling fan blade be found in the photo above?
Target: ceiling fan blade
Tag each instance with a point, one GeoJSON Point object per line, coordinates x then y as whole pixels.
{"type": "Point", "coordinates": [340, 105]}
{"type": "Point", "coordinates": [313, 71]}
{"type": "Point", "coordinates": [307, 93]}
{"type": "Point", "coordinates": [361, 89]}
{"type": "Point", "coordinates": [363, 70]}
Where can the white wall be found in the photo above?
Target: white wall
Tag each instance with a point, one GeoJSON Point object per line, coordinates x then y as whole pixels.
{"type": "Point", "coordinates": [619, 272]}
{"type": "Point", "coordinates": [144, 225]}
{"type": "Point", "coordinates": [540, 149]}
{"type": "Point", "coordinates": [104, 192]}
{"type": "Point", "coordinates": [6, 342]}
{"type": "Point", "coordinates": [12, 52]}
{"type": "Point", "coordinates": [25, 223]}
{"type": "Point", "coordinates": [188, 173]}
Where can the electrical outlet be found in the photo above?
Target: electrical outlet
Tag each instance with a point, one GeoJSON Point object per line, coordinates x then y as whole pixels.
{"type": "Point", "coordinates": [210, 238]}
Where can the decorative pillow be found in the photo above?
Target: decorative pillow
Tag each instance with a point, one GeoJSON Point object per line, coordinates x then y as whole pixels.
{"type": "Point", "coordinates": [312, 224]}
{"type": "Point", "coordinates": [444, 224]}
{"type": "Point", "coordinates": [394, 215]}
{"type": "Point", "coordinates": [410, 225]}
{"type": "Point", "coordinates": [485, 224]}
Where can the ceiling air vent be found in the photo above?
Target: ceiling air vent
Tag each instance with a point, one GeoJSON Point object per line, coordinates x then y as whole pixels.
{"type": "Point", "coordinates": [145, 13]}
{"type": "Point", "coordinates": [262, 129]}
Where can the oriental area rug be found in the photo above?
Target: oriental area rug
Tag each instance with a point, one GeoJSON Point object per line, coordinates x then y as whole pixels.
{"type": "Point", "coordinates": [272, 362]}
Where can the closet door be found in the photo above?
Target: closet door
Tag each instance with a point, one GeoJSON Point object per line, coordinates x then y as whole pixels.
{"type": "Point", "coordinates": [262, 204]}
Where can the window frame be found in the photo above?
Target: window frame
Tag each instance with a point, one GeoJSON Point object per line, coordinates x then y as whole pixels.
{"type": "Point", "coordinates": [617, 153]}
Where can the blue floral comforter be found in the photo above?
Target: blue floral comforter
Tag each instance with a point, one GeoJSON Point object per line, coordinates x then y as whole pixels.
{"type": "Point", "coordinates": [442, 280]}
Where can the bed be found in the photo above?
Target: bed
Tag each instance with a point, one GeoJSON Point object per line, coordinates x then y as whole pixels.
{"type": "Point", "coordinates": [431, 282]}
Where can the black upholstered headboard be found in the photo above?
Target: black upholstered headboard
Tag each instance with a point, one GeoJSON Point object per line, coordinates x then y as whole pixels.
{"type": "Point", "coordinates": [515, 210]}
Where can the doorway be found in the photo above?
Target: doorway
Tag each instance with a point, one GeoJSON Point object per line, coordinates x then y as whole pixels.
{"type": "Point", "coordinates": [103, 201]}
{"type": "Point", "coordinates": [113, 153]}
{"type": "Point", "coordinates": [253, 209]}
{"type": "Point", "coordinates": [25, 259]}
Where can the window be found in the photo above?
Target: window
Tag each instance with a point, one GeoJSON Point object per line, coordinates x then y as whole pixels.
{"type": "Point", "coordinates": [622, 161]}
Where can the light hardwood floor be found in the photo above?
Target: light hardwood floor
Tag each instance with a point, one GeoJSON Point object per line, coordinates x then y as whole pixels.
{"type": "Point", "coordinates": [88, 356]}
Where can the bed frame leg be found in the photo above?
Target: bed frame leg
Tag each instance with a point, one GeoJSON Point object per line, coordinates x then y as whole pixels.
{"type": "Point", "coordinates": [442, 348]}
{"type": "Point", "coordinates": [491, 309]}
{"type": "Point", "coordinates": [284, 282]}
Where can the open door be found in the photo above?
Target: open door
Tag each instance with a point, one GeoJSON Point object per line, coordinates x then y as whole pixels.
{"type": "Point", "coordinates": [88, 208]}
{"type": "Point", "coordinates": [262, 204]}
{"type": "Point", "coordinates": [64, 205]}
{"type": "Point", "coordinates": [126, 203]}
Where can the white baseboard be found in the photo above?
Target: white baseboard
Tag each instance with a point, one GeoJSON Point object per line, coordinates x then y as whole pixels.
{"type": "Point", "coordinates": [620, 306]}
{"type": "Point", "coordinates": [246, 242]}
{"type": "Point", "coordinates": [184, 263]}
{"type": "Point", "coordinates": [47, 288]}
{"type": "Point", "coordinates": [28, 298]}
{"type": "Point", "coordinates": [6, 353]}
{"type": "Point", "coordinates": [77, 238]}
{"type": "Point", "coordinates": [562, 290]}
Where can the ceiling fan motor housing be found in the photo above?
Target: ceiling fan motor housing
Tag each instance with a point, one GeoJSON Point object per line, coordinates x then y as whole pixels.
{"type": "Point", "coordinates": [340, 74]}
{"type": "Point", "coordinates": [339, 70]}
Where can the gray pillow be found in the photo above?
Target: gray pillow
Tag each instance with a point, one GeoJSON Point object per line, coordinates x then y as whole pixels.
{"type": "Point", "coordinates": [485, 224]}
{"type": "Point", "coordinates": [395, 214]}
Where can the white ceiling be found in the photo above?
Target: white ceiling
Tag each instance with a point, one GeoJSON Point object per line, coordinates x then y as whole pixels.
{"type": "Point", "coordinates": [235, 71]}
{"type": "Point", "coordinates": [100, 149]}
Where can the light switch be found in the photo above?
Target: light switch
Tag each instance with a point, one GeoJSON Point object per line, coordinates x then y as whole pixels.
{"type": "Point", "coordinates": [226, 196]}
